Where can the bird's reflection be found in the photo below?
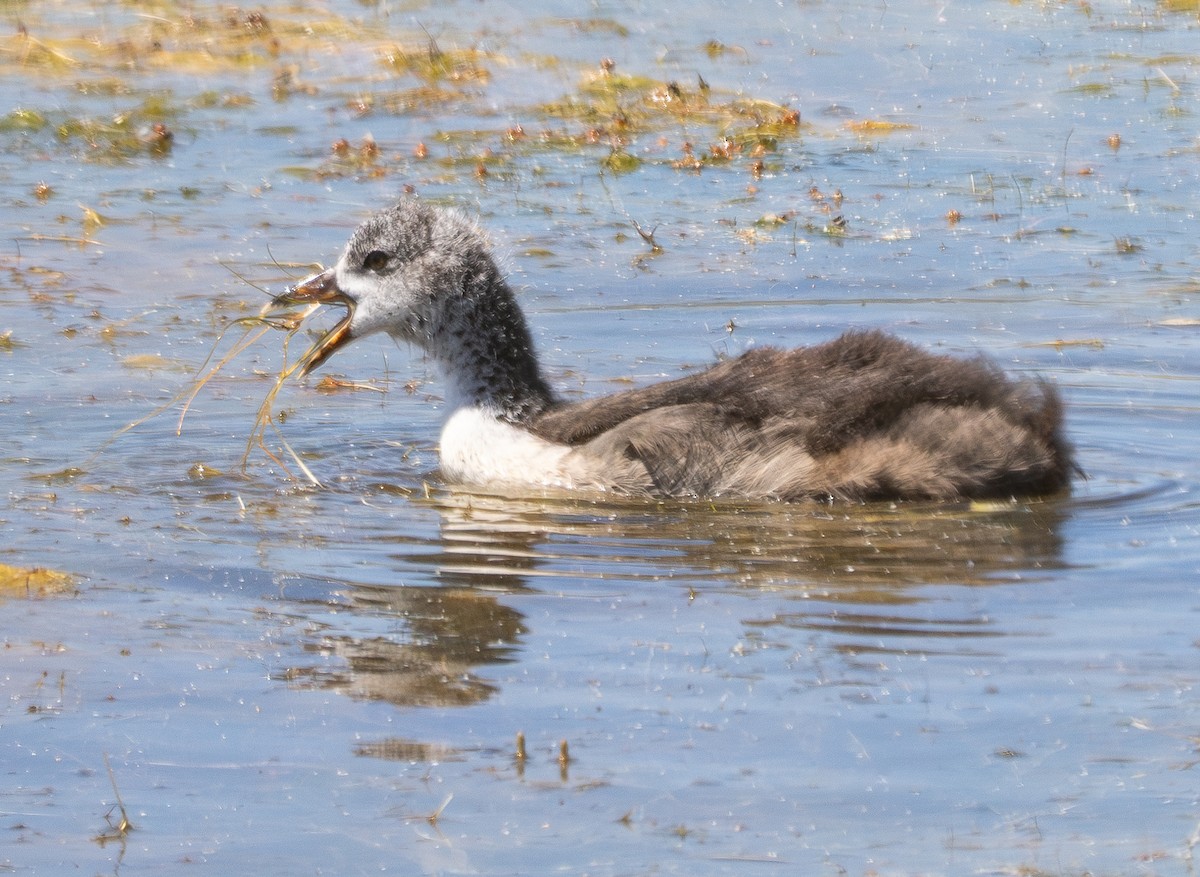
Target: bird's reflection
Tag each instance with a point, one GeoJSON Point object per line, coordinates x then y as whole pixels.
{"type": "Point", "coordinates": [427, 657]}
{"type": "Point", "coordinates": [870, 554]}
{"type": "Point", "coordinates": [858, 572]}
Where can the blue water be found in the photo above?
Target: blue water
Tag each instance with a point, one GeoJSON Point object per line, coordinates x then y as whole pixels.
{"type": "Point", "coordinates": [294, 679]}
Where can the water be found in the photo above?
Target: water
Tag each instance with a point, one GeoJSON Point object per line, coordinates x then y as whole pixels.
{"type": "Point", "coordinates": [293, 679]}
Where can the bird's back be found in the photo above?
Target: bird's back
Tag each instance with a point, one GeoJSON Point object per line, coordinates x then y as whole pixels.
{"type": "Point", "coordinates": [864, 416]}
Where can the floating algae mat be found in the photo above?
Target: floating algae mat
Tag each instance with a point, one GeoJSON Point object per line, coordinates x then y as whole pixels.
{"type": "Point", "coordinates": [18, 581]}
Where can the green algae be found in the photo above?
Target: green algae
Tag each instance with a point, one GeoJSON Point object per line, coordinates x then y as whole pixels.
{"type": "Point", "coordinates": [618, 121]}
{"type": "Point", "coordinates": [435, 65]}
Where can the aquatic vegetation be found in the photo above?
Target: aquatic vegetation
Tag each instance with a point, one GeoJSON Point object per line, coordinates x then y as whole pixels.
{"type": "Point", "coordinates": [620, 110]}
{"type": "Point", "coordinates": [183, 38]}
{"type": "Point", "coordinates": [22, 119]}
{"type": "Point", "coordinates": [271, 316]}
{"type": "Point", "coordinates": [116, 828]}
{"type": "Point", "coordinates": [617, 121]}
{"type": "Point", "coordinates": [34, 582]}
{"type": "Point", "coordinates": [877, 126]}
{"type": "Point", "coordinates": [140, 130]}
{"type": "Point", "coordinates": [621, 162]}
{"type": "Point", "coordinates": [361, 160]}
{"type": "Point", "coordinates": [151, 362]}
{"type": "Point", "coordinates": [606, 26]}
{"type": "Point", "coordinates": [435, 65]}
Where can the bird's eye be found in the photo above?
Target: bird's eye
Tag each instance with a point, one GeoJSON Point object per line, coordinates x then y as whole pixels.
{"type": "Point", "coordinates": [376, 260]}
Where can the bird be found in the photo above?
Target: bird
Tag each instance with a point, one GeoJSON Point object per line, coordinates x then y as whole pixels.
{"type": "Point", "coordinates": [866, 416]}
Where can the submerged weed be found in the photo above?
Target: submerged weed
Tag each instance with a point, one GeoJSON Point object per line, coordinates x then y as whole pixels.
{"type": "Point", "coordinates": [141, 130]}
{"type": "Point", "coordinates": [434, 65]}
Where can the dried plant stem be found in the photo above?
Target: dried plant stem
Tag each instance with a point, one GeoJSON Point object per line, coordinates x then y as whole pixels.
{"type": "Point", "coordinates": [255, 327]}
{"type": "Point", "coordinates": [264, 418]}
{"type": "Point", "coordinates": [117, 831]}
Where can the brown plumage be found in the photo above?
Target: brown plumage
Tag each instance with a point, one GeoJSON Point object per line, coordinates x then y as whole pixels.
{"type": "Point", "coordinates": [865, 416]}
{"type": "Point", "coordinates": [878, 417]}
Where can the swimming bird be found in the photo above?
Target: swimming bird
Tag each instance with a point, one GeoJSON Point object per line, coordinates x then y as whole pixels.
{"type": "Point", "coordinates": [865, 416]}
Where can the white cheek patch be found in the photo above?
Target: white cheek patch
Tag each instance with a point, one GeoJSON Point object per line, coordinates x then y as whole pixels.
{"type": "Point", "coordinates": [355, 284]}
{"type": "Point", "coordinates": [372, 313]}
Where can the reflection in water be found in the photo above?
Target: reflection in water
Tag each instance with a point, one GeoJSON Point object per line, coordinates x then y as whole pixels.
{"type": "Point", "coordinates": [865, 554]}
{"type": "Point", "coordinates": [856, 573]}
{"type": "Point", "coordinates": [400, 749]}
{"type": "Point", "coordinates": [444, 633]}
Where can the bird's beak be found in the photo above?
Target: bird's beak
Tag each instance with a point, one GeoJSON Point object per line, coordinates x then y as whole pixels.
{"type": "Point", "coordinates": [321, 289]}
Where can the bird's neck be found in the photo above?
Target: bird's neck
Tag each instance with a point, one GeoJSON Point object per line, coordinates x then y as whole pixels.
{"type": "Point", "coordinates": [486, 355]}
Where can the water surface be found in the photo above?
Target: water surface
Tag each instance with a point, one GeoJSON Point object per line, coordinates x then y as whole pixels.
{"type": "Point", "coordinates": [289, 679]}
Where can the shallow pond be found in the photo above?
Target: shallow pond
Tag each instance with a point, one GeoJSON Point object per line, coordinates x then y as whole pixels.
{"type": "Point", "coordinates": [213, 665]}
